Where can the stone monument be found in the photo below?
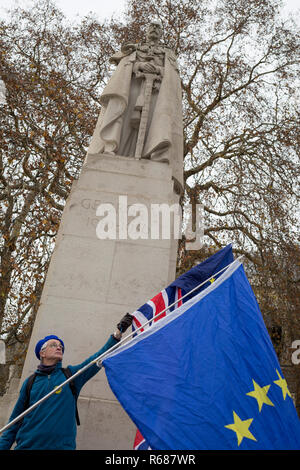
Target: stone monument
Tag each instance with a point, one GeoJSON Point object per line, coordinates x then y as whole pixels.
{"type": "Point", "coordinates": [135, 156]}
{"type": "Point", "coordinates": [141, 113]}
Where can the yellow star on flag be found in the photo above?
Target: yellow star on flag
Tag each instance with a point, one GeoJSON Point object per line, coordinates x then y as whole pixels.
{"type": "Point", "coordinates": [212, 280]}
{"type": "Point", "coordinates": [260, 394]}
{"type": "Point", "coordinates": [283, 385]}
{"type": "Point", "coordinates": [241, 428]}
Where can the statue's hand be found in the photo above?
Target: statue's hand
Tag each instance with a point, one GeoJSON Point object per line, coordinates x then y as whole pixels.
{"type": "Point", "coordinates": [146, 67]}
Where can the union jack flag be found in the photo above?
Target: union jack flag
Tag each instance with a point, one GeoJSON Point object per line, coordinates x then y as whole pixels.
{"type": "Point", "coordinates": [171, 298]}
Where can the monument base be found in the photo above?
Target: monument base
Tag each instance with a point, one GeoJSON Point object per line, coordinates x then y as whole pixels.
{"type": "Point", "coordinates": [91, 283]}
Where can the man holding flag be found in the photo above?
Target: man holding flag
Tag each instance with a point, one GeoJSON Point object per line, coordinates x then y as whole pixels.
{"type": "Point", "coordinates": [52, 425]}
{"type": "Point", "coordinates": [205, 376]}
{"type": "Point", "coordinates": [29, 431]}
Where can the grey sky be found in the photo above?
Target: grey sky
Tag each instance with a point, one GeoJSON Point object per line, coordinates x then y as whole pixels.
{"type": "Point", "coordinates": [106, 8]}
{"type": "Point", "coordinates": [77, 8]}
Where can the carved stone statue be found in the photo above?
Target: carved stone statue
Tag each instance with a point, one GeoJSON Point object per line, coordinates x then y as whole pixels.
{"type": "Point", "coordinates": [141, 113]}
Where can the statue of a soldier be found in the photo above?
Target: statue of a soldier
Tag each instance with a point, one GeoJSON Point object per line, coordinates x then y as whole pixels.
{"type": "Point", "coordinates": [141, 112]}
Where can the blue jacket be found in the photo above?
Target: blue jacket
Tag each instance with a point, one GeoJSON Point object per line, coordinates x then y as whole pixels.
{"type": "Point", "coordinates": [52, 424]}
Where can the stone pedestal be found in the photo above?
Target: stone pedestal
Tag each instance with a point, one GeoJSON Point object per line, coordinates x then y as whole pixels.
{"type": "Point", "coordinates": [8, 401]}
{"type": "Point", "coordinates": [91, 282]}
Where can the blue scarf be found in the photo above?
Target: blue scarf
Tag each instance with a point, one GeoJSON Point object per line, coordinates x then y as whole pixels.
{"type": "Point", "coordinates": [46, 369]}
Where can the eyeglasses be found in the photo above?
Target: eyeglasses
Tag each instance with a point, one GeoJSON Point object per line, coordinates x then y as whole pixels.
{"type": "Point", "coordinates": [55, 345]}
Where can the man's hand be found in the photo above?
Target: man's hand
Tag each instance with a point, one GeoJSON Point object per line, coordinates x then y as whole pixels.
{"type": "Point", "coordinates": [117, 334]}
{"type": "Point", "coordinates": [125, 322]}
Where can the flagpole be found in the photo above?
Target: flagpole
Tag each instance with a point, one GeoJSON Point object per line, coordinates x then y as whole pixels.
{"type": "Point", "coordinates": [100, 358]}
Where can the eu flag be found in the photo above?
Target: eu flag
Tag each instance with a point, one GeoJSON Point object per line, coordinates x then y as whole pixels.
{"type": "Point", "coordinates": [180, 291]}
{"type": "Point", "coordinates": [206, 376]}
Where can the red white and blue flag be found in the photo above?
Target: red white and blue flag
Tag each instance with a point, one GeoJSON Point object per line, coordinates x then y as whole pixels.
{"type": "Point", "coordinates": [170, 298]}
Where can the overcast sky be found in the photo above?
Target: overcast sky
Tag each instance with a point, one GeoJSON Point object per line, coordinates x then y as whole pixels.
{"type": "Point", "coordinates": [76, 8]}
{"type": "Point", "coordinates": [104, 8]}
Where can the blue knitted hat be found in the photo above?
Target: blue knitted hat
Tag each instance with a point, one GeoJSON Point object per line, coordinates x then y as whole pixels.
{"type": "Point", "coordinates": [40, 343]}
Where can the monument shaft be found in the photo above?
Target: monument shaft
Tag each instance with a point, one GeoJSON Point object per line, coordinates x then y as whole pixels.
{"type": "Point", "coordinates": [92, 281]}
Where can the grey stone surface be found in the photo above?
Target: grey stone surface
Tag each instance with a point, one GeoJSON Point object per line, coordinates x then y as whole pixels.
{"type": "Point", "coordinates": [92, 283]}
{"type": "Point", "coordinates": [8, 400]}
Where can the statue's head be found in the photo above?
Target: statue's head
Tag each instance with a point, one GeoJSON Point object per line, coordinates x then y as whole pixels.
{"type": "Point", "coordinates": [154, 31]}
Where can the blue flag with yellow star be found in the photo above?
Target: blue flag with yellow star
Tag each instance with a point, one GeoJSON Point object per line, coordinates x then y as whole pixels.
{"type": "Point", "coordinates": [206, 376]}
